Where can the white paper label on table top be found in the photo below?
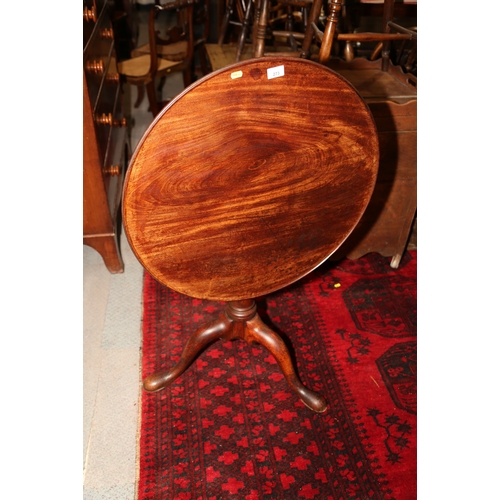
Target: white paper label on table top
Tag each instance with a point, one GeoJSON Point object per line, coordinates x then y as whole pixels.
{"type": "Point", "coordinates": [275, 72]}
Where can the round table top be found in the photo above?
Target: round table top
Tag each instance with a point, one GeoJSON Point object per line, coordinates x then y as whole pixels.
{"type": "Point", "coordinates": [250, 179]}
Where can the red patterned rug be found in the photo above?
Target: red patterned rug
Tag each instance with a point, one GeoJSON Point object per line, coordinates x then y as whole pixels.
{"type": "Point", "coordinates": [230, 427]}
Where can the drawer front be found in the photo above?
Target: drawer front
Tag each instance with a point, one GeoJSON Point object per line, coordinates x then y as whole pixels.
{"type": "Point", "coordinates": [92, 10]}
{"type": "Point", "coordinates": [97, 3]}
{"type": "Point", "coordinates": [104, 117]}
{"type": "Point", "coordinates": [116, 159]}
{"type": "Point", "coordinates": [96, 57]}
{"type": "Point", "coordinates": [114, 168]}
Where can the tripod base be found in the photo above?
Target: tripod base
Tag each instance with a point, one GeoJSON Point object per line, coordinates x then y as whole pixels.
{"type": "Point", "coordinates": [239, 321]}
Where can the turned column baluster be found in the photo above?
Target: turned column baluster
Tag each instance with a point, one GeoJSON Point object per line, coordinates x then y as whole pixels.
{"type": "Point", "coordinates": [334, 7]}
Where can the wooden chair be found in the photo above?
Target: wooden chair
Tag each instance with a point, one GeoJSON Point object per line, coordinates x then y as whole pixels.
{"type": "Point", "coordinates": [238, 13]}
{"type": "Point", "coordinates": [268, 176]}
{"type": "Point", "coordinates": [280, 31]}
{"type": "Point", "coordinates": [234, 14]}
{"type": "Point", "coordinates": [391, 32]}
{"type": "Point", "coordinates": [335, 11]}
{"type": "Point", "coordinates": [161, 56]}
{"type": "Point", "coordinates": [180, 50]}
{"type": "Point", "coordinates": [201, 29]}
{"type": "Point", "coordinates": [291, 17]}
{"type": "Point", "coordinates": [268, 39]}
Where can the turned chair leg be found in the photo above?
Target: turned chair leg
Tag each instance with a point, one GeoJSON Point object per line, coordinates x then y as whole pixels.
{"type": "Point", "coordinates": [140, 96]}
{"type": "Point", "coordinates": [240, 320]}
{"type": "Point", "coordinates": [153, 103]}
{"type": "Point", "coordinates": [163, 79]}
{"type": "Point", "coordinates": [225, 22]}
{"type": "Point", "coordinates": [203, 60]}
{"type": "Point", "coordinates": [244, 31]}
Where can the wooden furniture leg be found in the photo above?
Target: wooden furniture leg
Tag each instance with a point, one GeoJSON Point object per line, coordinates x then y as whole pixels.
{"type": "Point", "coordinates": [258, 332]}
{"type": "Point", "coordinates": [309, 33]}
{"type": "Point", "coordinates": [260, 27]}
{"type": "Point", "coordinates": [107, 246]}
{"type": "Point", "coordinates": [153, 103]}
{"type": "Point", "coordinates": [225, 22]}
{"type": "Point", "coordinates": [244, 30]}
{"type": "Point", "coordinates": [140, 96]}
{"type": "Point", "coordinates": [239, 321]}
{"type": "Point", "coordinates": [335, 8]}
{"type": "Point", "coordinates": [196, 343]}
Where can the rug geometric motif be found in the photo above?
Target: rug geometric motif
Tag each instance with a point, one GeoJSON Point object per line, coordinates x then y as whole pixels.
{"type": "Point", "coordinates": [398, 367]}
{"type": "Point", "coordinates": [376, 305]}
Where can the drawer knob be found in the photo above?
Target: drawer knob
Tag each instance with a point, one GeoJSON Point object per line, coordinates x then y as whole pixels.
{"type": "Point", "coordinates": [120, 123]}
{"type": "Point", "coordinates": [106, 33]}
{"type": "Point", "coordinates": [107, 119]}
{"type": "Point", "coordinates": [96, 67]}
{"type": "Point", "coordinates": [104, 119]}
{"type": "Point", "coordinates": [113, 77]}
{"type": "Point", "coordinates": [112, 170]}
{"type": "Point", "coordinates": [90, 14]}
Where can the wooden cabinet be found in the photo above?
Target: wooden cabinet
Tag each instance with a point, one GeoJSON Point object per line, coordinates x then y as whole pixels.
{"type": "Point", "coordinates": [386, 224]}
{"type": "Point", "coordinates": [105, 134]}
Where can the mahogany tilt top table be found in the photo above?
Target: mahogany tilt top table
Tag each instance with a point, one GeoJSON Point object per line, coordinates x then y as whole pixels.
{"type": "Point", "coordinates": [246, 182]}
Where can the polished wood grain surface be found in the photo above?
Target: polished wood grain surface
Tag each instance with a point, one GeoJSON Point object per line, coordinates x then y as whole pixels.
{"type": "Point", "coordinates": [244, 183]}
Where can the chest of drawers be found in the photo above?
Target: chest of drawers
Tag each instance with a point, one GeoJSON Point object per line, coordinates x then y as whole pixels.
{"type": "Point", "coordinates": [105, 135]}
